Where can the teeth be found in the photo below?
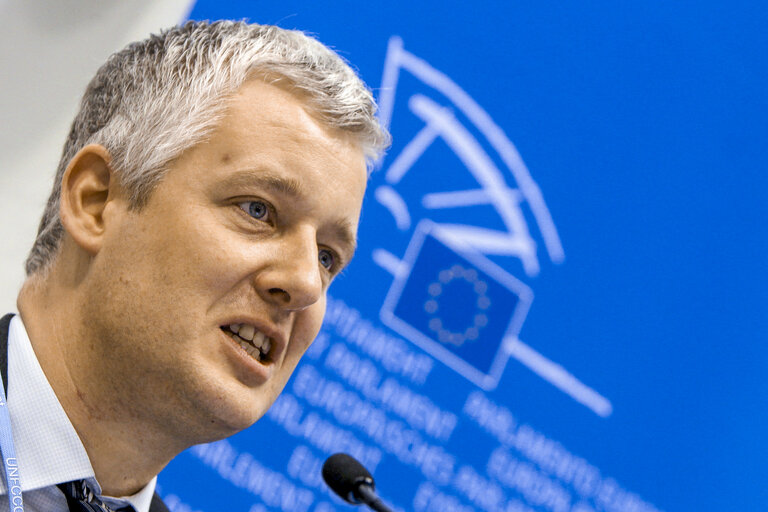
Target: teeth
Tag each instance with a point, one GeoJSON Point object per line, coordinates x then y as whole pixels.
{"type": "Point", "coordinates": [246, 332]}
{"type": "Point", "coordinates": [252, 351]}
{"type": "Point", "coordinates": [253, 341]}
{"type": "Point", "coordinates": [258, 339]}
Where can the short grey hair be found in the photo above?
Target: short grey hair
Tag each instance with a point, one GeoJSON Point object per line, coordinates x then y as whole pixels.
{"type": "Point", "coordinates": [159, 97]}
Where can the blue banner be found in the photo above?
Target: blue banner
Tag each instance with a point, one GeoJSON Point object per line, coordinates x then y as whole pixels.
{"type": "Point", "coordinates": [558, 302]}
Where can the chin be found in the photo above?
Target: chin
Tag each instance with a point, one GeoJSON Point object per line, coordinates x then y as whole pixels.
{"type": "Point", "coordinates": [222, 425]}
{"type": "Point", "coordinates": [233, 416]}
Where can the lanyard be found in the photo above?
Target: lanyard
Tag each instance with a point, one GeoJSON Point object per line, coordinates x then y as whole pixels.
{"type": "Point", "coordinates": [10, 463]}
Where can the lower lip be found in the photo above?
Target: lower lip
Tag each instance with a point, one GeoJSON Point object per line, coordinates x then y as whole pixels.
{"type": "Point", "coordinates": [254, 372]}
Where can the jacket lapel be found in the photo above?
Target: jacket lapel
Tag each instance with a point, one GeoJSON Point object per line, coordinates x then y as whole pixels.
{"type": "Point", "coordinates": [5, 323]}
{"type": "Point", "coordinates": [157, 505]}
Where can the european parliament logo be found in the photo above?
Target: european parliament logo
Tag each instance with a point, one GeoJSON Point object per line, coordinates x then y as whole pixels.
{"type": "Point", "coordinates": [456, 304]}
{"type": "Point", "coordinates": [464, 185]}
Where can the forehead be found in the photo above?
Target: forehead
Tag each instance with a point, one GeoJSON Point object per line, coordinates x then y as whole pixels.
{"type": "Point", "coordinates": [268, 135]}
{"type": "Point", "coordinates": [271, 112]}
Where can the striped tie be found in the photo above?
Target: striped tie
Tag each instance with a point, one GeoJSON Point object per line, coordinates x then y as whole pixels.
{"type": "Point", "coordinates": [80, 498]}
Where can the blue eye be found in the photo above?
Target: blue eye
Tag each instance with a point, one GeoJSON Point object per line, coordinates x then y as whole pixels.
{"type": "Point", "coordinates": [326, 258]}
{"type": "Point", "coordinates": [256, 209]}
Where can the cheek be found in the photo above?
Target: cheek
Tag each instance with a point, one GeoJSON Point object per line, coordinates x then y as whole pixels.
{"type": "Point", "coordinates": [225, 267]}
{"type": "Point", "coordinates": [203, 256]}
{"type": "Point", "coordinates": [159, 269]}
{"type": "Point", "coordinates": [305, 330]}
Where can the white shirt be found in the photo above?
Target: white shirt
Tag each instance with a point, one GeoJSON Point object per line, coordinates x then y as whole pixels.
{"type": "Point", "coordinates": [48, 449]}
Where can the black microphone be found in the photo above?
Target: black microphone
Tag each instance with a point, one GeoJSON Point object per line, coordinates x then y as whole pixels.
{"type": "Point", "coordinates": [351, 481]}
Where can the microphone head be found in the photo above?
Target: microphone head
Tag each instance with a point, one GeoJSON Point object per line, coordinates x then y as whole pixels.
{"type": "Point", "coordinates": [344, 475]}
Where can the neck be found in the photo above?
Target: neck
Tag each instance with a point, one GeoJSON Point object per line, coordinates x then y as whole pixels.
{"type": "Point", "coordinates": [125, 447]}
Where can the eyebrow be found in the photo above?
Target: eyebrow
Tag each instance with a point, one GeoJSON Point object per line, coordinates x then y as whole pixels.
{"type": "Point", "coordinates": [264, 179]}
{"type": "Point", "coordinates": [341, 228]}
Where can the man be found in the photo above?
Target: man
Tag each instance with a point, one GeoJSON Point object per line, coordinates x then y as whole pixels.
{"type": "Point", "coordinates": [208, 193]}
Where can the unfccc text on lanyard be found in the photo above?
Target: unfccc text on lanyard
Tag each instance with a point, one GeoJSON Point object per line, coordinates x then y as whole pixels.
{"type": "Point", "coordinates": [8, 451]}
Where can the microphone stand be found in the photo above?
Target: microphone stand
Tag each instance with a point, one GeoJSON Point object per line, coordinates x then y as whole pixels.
{"type": "Point", "coordinates": [368, 496]}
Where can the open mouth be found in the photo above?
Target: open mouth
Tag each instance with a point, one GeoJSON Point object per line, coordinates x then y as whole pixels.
{"type": "Point", "coordinates": [255, 343]}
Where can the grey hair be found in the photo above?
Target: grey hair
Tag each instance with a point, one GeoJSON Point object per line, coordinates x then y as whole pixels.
{"type": "Point", "coordinates": [159, 97]}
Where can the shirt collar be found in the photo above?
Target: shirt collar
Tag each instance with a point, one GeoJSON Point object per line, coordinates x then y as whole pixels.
{"type": "Point", "coordinates": [48, 448]}
{"type": "Point", "coordinates": [140, 501]}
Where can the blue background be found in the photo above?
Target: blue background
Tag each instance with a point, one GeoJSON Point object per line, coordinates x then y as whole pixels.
{"type": "Point", "coordinates": [644, 125]}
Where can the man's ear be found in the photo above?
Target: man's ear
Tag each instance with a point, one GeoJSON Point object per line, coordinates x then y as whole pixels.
{"type": "Point", "coordinates": [86, 187]}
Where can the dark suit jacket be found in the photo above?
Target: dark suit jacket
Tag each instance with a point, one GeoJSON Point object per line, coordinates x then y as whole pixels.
{"type": "Point", "coordinates": [157, 504]}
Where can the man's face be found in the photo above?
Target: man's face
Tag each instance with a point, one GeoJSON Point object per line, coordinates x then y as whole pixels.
{"type": "Point", "coordinates": [247, 229]}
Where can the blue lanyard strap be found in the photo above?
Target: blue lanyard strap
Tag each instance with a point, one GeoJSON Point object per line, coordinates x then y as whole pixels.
{"type": "Point", "coordinates": [15, 501]}
{"type": "Point", "coordinates": [7, 449]}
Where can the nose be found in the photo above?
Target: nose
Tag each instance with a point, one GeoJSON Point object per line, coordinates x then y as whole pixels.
{"type": "Point", "coordinates": [292, 280]}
